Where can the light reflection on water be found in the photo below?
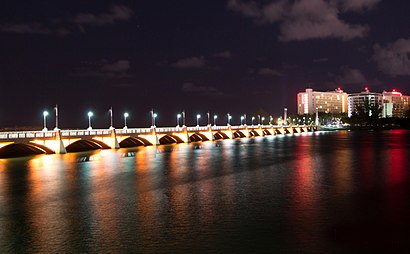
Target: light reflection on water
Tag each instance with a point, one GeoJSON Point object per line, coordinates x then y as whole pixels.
{"type": "Point", "coordinates": [321, 192]}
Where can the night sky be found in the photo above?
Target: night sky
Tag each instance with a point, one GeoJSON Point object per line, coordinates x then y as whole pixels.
{"type": "Point", "coordinates": [237, 56]}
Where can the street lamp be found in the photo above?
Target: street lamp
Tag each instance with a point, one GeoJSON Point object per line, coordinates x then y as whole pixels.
{"type": "Point", "coordinates": [263, 119]}
{"type": "Point", "coordinates": [45, 114]}
{"type": "Point", "coordinates": [229, 119]}
{"type": "Point", "coordinates": [178, 117]}
{"type": "Point", "coordinates": [125, 120]}
{"type": "Point", "coordinates": [215, 117]}
{"type": "Point", "coordinates": [253, 119]}
{"type": "Point", "coordinates": [259, 119]}
{"type": "Point", "coordinates": [154, 115]}
{"type": "Point", "coordinates": [90, 114]}
{"type": "Point", "coordinates": [270, 120]}
{"type": "Point", "coordinates": [197, 119]}
{"type": "Point", "coordinates": [242, 117]}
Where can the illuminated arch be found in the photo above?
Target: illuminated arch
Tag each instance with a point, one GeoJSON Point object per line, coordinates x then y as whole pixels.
{"type": "Point", "coordinates": [198, 137]}
{"type": "Point", "coordinates": [266, 132]}
{"type": "Point", "coordinates": [254, 133]}
{"type": "Point", "coordinates": [134, 141]}
{"type": "Point", "coordinates": [238, 134]}
{"type": "Point", "coordinates": [23, 149]}
{"type": "Point", "coordinates": [86, 145]}
{"type": "Point", "coordinates": [170, 139]}
{"type": "Point", "coordinates": [220, 135]}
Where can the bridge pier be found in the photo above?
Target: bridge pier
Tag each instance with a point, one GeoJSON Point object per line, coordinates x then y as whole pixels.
{"type": "Point", "coordinates": [59, 148]}
{"type": "Point", "coordinates": [209, 134]}
{"type": "Point", "coordinates": [246, 132]}
{"type": "Point", "coordinates": [229, 133]}
{"type": "Point", "coordinates": [154, 137]}
{"type": "Point", "coordinates": [185, 136]}
{"type": "Point", "coordinates": [114, 142]}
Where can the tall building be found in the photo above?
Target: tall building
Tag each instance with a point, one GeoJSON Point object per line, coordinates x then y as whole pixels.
{"type": "Point", "coordinates": [395, 104]}
{"type": "Point", "coordinates": [365, 99]}
{"type": "Point", "coordinates": [334, 102]}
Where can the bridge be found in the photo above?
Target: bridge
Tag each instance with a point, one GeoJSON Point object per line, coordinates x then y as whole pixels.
{"type": "Point", "coordinates": [21, 143]}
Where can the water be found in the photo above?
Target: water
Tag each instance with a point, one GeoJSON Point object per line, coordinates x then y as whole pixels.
{"type": "Point", "coordinates": [324, 192]}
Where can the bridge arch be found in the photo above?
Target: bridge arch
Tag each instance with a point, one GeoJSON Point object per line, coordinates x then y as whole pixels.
{"type": "Point", "coordinates": [23, 149]}
{"type": "Point", "coordinates": [220, 135]}
{"type": "Point", "coordinates": [198, 137]}
{"type": "Point", "coordinates": [254, 133]}
{"type": "Point", "coordinates": [134, 141]}
{"type": "Point", "coordinates": [238, 134]}
{"type": "Point", "coordinates": [86, 145]}
{"type": "Point", "coordinates": [266, 132]}
{"type": "Point", "coordinates": [170, 139]}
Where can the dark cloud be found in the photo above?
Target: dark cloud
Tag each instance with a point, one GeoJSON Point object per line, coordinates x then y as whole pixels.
{"type": "Point", "coordinates": [224, 54]}
{"type": "Point", "coordinates": [269, 72]}
{"type": "Point", "coordinates": [307, 19]}
{"type": "Point", "coordinates": [60, 27]}
{"type": "Point", "coordinates": [393, 59]}
{"type": "Point", "coordinates": [355, 5]}
{"type": "Point", "coordinates": [191, 62]}
{"type": "Point", "coordinates": [106, 70]}
{"type": "Point", "coordinates": [262, 14]}
{"type": "Point", "coordinates": [203, 90]}
{"type": "Point", "coordinates": [29, 28]}
{"type": "Point", "coordinates": [115, 13]}
{"type": "Point", "coordinates": [119, 66]}
{"type": "Point", "coordinates": [351, 76]}
{"type": "Point", "coordinates": [321, 60]}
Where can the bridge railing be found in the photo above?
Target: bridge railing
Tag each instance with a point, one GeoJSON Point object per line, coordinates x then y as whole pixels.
{"type": "Point", "coordinates": [27, 134]}
{"type": "Point", "coordinates": [219, 128]}
{"type": "Point", "coordinates": [198, 128]}
{"type": "Point", "coordinates": [168, 129]}
{"type": "Point", "coordinates": [133, 131]}
{"type": "Point", "coordinates": [94, 132]}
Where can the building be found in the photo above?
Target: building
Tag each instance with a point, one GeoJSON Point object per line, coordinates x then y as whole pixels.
{"type": "Point", "coordinates": [395, 104]}
{"type": "Point", "coordinates": [334, 102]}
{"type": "Point", "coordinates": [365, 100]}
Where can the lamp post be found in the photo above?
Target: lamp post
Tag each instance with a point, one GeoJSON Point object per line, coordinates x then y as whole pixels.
{"type": "Point", "coordinates": [270, 120]}
{"type": "Point", "coordinates": [209, 123]}
{"type": "Point", "coordinates": [125, 120]}
{"type": "Point", "coordinates": [56, 111]}
{"type": "Point", "coordinates": [259, 119]}
{"type": "Point", "coordinates": [45, 114]}
{"type": "Point", "coordinates": [197, 119]}
{"type": "Point", "coordinates": [229, 119]}
{"type": "Point", "coordinates": [90, 114]}
{"type": "Point", "coordinates": [285, 116]}
{"type": "Point", "coordinates": [215, 117]}
{"type": "Point", "coordinates": [242, 117]}
{"type": "Point", "coordinates": [263, 119]}
{"type": "Point", "coordinates": [111, 124]}
{"type": "Point", "coordinates": [178, 117]}
{"type": "Point", "coordinates": [253, 119]}
{"type": "Point", "coordinates": [183, 118]}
